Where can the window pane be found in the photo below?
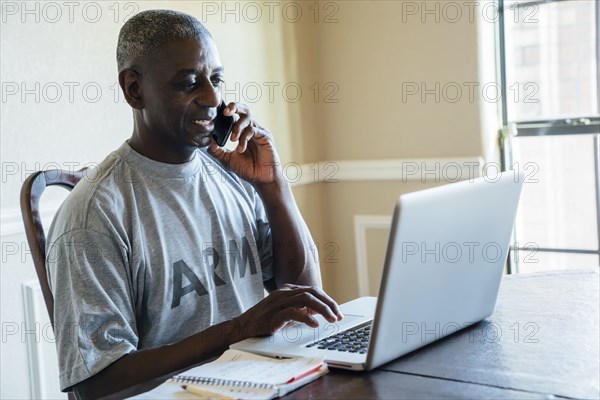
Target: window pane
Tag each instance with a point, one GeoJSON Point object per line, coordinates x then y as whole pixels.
{"type": "Point", "coordinates": [558, 202]}
{"type": "Point", "coordinates": [551, 60]}
{"type": "Point", "coordinates": [538, 261]}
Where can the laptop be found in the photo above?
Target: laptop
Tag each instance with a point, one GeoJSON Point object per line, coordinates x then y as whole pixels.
{"type": "Point", "coordinates": [444, 262]}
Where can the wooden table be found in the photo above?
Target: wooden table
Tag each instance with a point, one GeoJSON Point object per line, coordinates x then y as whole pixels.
{"type": "Point", "coordinates": [542, 341]}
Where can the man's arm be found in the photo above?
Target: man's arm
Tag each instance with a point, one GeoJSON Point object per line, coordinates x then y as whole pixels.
{"type": "Point", "coordinates": [265, 318]}
{"type": "Point", "coordinates": [142, 366]}
{"type": "Point", "coordinates": [255, 159]}
{"type": "Point", "coordinates": [295, 257]}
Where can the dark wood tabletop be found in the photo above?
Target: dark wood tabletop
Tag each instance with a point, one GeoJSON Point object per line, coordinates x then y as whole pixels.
{"type": "Point", "coordinates": [542, 341]}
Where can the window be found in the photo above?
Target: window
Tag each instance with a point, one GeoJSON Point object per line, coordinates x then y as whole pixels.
{"type": "Point", "coordinates": [550, 78]}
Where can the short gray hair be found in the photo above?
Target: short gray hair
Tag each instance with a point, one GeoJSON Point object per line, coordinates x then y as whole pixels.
{"type": "Point", "coordinates": [146, 31]}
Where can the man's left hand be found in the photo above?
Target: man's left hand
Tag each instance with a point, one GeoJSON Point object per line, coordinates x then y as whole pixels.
{"type": "Point", "coordinates": [255, 158]}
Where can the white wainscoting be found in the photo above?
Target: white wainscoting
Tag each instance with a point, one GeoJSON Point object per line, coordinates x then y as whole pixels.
{"type": "Point", "coordinates": [361, 224]}
{"type": "Point", "coordinates": [41, 350]}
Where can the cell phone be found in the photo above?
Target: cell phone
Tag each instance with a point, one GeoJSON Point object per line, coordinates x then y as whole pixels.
{"type": "Point", "coordinates": [223, 126]}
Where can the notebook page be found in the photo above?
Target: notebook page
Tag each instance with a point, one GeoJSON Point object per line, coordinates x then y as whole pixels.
{"type": "Point", "coordinates": [168, 390]}
{"type": "Point", "coordinates": [174, 391]}
{"type": "Point", "coordinates": [243, 366]}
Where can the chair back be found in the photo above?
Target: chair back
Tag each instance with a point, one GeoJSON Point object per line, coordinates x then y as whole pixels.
{"type": "Point", "coordinates": [31, 192]}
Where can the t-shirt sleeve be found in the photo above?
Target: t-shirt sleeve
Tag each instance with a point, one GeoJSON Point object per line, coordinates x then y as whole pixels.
{"type": "Point", "coordinates": [94, 318]}
{"type": "Point", "coordinates": [264, 240]}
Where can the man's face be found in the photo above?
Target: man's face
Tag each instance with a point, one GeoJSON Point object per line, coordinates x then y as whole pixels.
{"type": "Point", "coordinates": [181, 90]}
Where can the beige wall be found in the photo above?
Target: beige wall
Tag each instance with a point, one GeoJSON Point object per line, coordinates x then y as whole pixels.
{"type": "Point", "coordinates": [365, 57]}
{"type": "Point", "coordinates": [372, 52]}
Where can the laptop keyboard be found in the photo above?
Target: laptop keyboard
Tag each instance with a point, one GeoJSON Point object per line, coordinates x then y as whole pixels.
{"type": "Point", "coordinates": [354, 340]}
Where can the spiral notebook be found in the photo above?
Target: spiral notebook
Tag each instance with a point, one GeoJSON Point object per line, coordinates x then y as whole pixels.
{"type": "Point", "coordinates": [241, 375]}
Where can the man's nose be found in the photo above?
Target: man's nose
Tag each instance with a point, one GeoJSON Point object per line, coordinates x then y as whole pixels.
{"type": "Point", "coordinates": [208, 95]}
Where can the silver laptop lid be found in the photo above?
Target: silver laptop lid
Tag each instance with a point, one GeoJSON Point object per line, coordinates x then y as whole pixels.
{"type": "Point", "coordinates": [445, 258]}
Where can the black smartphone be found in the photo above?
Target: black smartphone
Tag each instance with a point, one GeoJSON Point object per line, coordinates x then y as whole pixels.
{"type": "Point", "coordinates": [223, 126]}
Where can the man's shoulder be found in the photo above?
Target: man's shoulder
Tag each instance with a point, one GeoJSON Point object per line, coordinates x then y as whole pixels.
{"type": "Point", "coordinates": [96, 192]}
{"type": "Point", "coordinates": [100, 181]}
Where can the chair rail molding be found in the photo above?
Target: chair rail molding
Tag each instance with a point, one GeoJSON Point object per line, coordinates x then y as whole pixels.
{"type": "Point", "coordinates": [12, 222]}
{"type": "Point", "coordinates": [436, 170]}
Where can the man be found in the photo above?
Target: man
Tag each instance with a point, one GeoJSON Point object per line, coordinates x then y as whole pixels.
{"type": "Point", "coordinates": [159, 259]}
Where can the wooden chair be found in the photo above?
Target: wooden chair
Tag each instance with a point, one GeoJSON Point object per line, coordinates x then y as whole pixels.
{"type": "Point", "coordinates": [31, 192]}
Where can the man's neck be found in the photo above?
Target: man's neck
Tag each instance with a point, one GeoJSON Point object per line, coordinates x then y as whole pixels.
{"type": "Point", "coordinates": [159, 151]}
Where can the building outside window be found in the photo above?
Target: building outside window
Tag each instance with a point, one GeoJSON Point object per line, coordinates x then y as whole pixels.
{"type": "Point", "coordinates": [549, 71]}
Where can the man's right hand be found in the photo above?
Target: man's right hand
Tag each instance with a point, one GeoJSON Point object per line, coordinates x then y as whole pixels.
{"type": "Point", "coordinates": [289, 303]}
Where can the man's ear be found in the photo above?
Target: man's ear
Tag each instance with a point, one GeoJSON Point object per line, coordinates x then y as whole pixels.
{"type": "Point", "coordinates": [130, 82]}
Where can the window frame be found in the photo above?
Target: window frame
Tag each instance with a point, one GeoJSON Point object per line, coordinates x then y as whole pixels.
{"type": "Point", "coordinates": [546, 127]}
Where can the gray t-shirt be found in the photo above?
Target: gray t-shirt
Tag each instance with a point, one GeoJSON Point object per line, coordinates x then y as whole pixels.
{"type": "Point", "coordinates": [144, 253]}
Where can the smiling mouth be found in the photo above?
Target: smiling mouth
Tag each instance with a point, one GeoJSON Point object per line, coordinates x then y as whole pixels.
{"type": "Point", "coordinates": [202, 122]}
